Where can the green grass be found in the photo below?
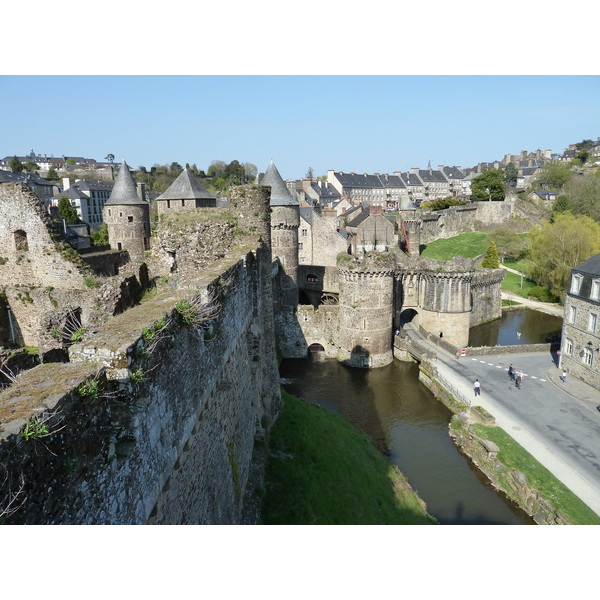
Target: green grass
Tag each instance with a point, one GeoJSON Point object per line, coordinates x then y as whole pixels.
{"type": "Point", "coordinates": [518, 265]}
{"type": "Point", "coordinates": [516, 458]}
{"type": "Point", "coordinates": [321, 470]}
{"type": "Point", "coordinates": [468, 245]}
{"type": "Point", "coordinates": [512, 283]}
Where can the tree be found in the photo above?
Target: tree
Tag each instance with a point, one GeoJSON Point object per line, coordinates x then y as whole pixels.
{"type": "Point", "coordinates": [488, 186]}
{"type": "Point", "coordinates": [561, 205]}
{"type": "Point", "coordinates": [553, 175]}
{"type": "Point", "coordinates": [251, 171]}
{"type": "Point", "coordinates": [30, 166]}
{"type": "Point", "coordinates": [555, 248]}
{"type": "Point", "coordinates": [490, 260]}
{"type": "Point", "coordinates": [584, 144]}
{"type": "Point", "coordinates": [68, 212]}
{"type": "Point", "coordinates": [71, 161]}
{"type": "Point", "coordinates": [583, 192]}
{"type": "Point", "coordinates": [100, 237]}
{"type": "Point", "coordinates": [110, 158]}
{"type": "Point", "coordinates": [511, 175]}
{"type": "Point", "coordinates": [310, 174]}
{"type": "Point", "coordinates": [216, 168]}
{"type": "Point", "coordinates": [175, 167]}
{"type": "Point", "coordinates": [234, 173]}
{"type": "Point", "coordinates": [52, 175]}
{"type": "Point", "coordinates": [509, 244]}
{"type": "Point", "coordinates": [15, 165]}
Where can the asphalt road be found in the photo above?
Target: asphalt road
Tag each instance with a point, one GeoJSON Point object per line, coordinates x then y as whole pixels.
{"type": "Point", "coordinates": [557, 423]}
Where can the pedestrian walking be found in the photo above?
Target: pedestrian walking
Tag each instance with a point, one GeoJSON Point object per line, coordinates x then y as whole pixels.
{"type": "Point", "coordinates": [477, 387]}
{"type": "Point", "coordinates": [511, 372]}
{"type": "Point", "coordinates": [519, 379]}
{"type": "Point", "coordinates": [563, 377]}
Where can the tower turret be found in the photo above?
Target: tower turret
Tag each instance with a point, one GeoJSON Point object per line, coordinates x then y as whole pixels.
{"type": "Point", "coordinates": [366, 309]}
{"type": "Point", "coordinates": [285, 220]}
{"type": "Point", "coordinates": [127, 216]}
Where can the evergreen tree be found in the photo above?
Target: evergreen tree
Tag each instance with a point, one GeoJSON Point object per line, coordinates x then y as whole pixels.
{"type": "Point", "coordinates": [68, 212]}
{"type": "Point", "coordinates": [490, 260]}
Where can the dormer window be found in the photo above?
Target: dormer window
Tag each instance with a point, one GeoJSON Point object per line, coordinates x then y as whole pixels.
{"type": "Point", "coordinates": [595, 293]}
{"type": "Point", "coordinates": [576, 284]}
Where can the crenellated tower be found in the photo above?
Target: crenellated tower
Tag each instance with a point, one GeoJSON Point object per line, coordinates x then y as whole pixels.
{"type": "Point", "coordinates": [366, 309]}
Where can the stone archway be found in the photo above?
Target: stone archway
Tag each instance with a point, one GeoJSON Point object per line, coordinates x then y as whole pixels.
{"type": "Point", "coordinates": [408, 315]}
{"type": "Point", "coordinates": [316, 352]}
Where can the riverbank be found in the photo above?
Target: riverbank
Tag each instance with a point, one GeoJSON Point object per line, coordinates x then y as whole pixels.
{"type": "Point", "coordinates": [508, 466]}
{"type": "Point", "coordinates": [322, 471]}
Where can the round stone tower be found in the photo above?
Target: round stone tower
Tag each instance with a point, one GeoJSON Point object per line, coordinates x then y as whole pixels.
{"type": "Point", "coordinates": [127, 216]}
{"type": "Point", "coordinates": [366, 309]}
{"type": "Point", "coordinates": [445, 299]}
{"type": "Point", "coordinates": [285, 220]}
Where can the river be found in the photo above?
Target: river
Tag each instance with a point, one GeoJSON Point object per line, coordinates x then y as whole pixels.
{"type": "Point", "coordinates": [410, 426]}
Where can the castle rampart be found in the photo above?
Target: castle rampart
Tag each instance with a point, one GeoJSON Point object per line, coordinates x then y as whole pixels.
{"type": "Point", "coordinates": [181, 387]}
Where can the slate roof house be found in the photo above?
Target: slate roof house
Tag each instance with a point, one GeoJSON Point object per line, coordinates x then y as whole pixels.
{"type": "Point", "coordinates": [185, 194]}
{"type": "Point", "coordinates": [87, 197]}
{"type": "Point", "coordinates": [580, 342]}
{"type": "Point", "coordinates": [42, 188]}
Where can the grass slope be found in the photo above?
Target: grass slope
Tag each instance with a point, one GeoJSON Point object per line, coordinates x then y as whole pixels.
{"type": "Point", "coordinates": [322, 471]}
{"type": "Point", "coordinates": [468, 245]}
{"type": "Point", "coordinates": [513, 456]}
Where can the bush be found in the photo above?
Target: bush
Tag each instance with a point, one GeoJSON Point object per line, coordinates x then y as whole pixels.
{"type": "Point", "coordinates": [543, 294]}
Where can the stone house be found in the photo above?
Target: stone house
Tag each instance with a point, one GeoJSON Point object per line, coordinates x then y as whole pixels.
{"type": "Point", "coordinates": [580, 345]}
{"type": "Point", "coordinates": [414, 186]}
{"type": "Point", "coordinates": [435, 184]}
{"type": "Point", "coordinates": [370, 230]}
{"type": "Point", "coordinates": [543, 198]}
{"type": "Point", "coordinates": [382, 190]}
{"type": "Point", "coordinates": [319, 240]}
{"type": "Point", "coordinates": [455, 176]}
{"type": "Point", "coordinates": [185, 194]}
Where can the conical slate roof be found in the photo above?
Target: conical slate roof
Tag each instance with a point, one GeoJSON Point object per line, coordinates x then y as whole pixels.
{"type": "Point", "coordinates": [185, 187]}
{"type": "Point", "coordinates": [280, 195]}
{"type": "Point", "coordinates": [125, 189]}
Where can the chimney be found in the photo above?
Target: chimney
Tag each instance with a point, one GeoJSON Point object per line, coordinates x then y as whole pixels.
{"type": "Point", "coordinates": [329, 212]}
{"type": "Point", "coordinates": [414, 170]}
{"type": "Point", "coordinates": [66, 183]}
{"type": "Point", "coordinates": [375, 209]}
{"type": "Point", "coordinates": [141, 191]}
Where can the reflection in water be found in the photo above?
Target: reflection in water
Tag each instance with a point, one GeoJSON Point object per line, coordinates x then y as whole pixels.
{"type": "Point", "coordinates": [410, 426]}
{"type": "Point", "coordinates": [519, 326]}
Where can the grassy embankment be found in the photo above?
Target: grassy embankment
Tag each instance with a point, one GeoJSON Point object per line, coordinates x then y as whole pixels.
{"type": "Point", "coordinates": [475, 244]}
{"type": "Point", "coordinates": [322, 471]}
{"type": "Point", "coordinates": [515, 458]}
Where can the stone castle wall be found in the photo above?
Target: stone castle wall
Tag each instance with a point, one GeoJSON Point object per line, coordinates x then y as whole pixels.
{"type": "Point", "coordinates": [170, 438]}
{"type": "Point", "coordinates": [184, 398]}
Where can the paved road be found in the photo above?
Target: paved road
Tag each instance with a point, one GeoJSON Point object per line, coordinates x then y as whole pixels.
{"type": "Point", "coordinates": [557, 423]}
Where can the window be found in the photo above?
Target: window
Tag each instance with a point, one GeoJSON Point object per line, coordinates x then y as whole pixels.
{"type": "Point", "coordinates": [311, 278]}
{"type": "Point", "coordinates": [576, 284]}
{"type": "Point", "coordinates": [21, 240]}
{"type": "Point", "coordinates": [300, 246]}
{"type": "Point", "coordinates": [592, 321]}
{"type": "Point", "coordinates": [572, 314]}
{"type": "Point", "coordinates": [569, 347]}
{"type": "Point", "coordinates": [588, 357]}
{"type": "Point", "coordinates": [304, 232]}
{"type": "Point", "coordinates": [130, 219]}
{"type": "Point", "coordinates": [595, 293]}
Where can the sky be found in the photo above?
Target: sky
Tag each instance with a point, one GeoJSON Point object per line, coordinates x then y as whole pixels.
{"type": "Point", "coordinates": [323, 85]}
{"type": "Point", "coordinates": [362, 123]}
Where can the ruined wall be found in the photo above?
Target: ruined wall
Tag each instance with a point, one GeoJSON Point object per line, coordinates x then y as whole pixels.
{"type": "Point", "coordinates": [170, 438]}
{"type": "Point", "coordinates": [182, 389]}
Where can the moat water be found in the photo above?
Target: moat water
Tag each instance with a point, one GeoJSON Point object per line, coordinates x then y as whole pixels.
{"type": "Point", "coordinates": [517, 327]}
{"type": "Point", "coordinates": [410, 426]}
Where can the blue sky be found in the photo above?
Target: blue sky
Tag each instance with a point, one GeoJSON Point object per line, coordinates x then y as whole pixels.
{"type": "Point", "coordinates": [347, 123]}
